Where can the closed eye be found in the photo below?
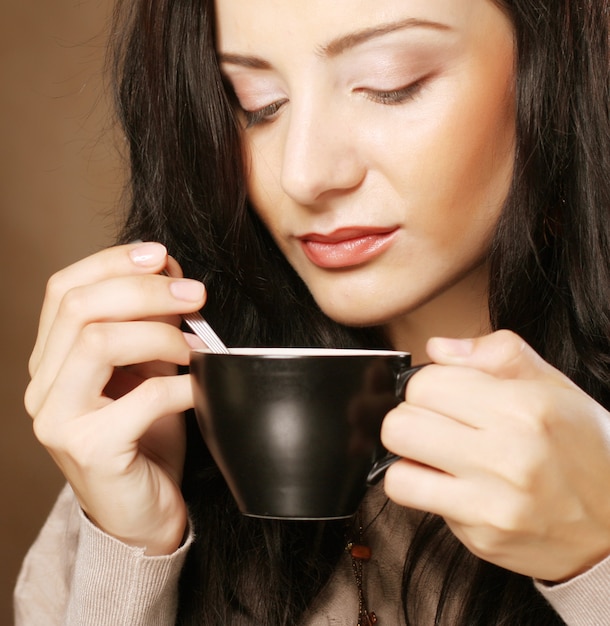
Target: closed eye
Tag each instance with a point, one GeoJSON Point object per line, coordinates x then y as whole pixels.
{"type": "Point", "coordinates": [252, 117]}
{"type": "Point", "coordinates": [393, 96]}
{"type": "Point", "coordinates": [264, 114]}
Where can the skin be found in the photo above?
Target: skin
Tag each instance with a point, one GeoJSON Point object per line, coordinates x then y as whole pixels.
{"type": "Point", "coordinates": [113, 428]}
{"type": "Point", "coordinates": [512, 454]}
{"type": "Point", "coordinates": [440, 182]}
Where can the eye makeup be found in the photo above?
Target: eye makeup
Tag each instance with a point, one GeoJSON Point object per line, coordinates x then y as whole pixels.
{"type": "Point", "coordinates": [389, 69]}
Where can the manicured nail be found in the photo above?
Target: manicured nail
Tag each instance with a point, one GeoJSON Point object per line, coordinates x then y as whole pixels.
{"type": "Point", "coordinates": [187, 289]}
{"type": "Point", "coordinates": [453, 347]}
{"type": "Point", "coordinates": [148, 254]}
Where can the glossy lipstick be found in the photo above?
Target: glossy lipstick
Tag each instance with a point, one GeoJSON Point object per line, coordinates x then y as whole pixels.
{"type": "Point", "coordinates": [346, 247]}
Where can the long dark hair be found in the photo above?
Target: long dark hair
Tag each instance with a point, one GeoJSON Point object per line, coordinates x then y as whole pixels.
{"type": "Point", "coordinates": [550, 283]}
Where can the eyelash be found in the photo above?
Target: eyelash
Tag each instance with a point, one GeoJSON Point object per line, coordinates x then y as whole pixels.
{"type": "Point", "coordinates": [265, 114]}
{"type": "Point", "coordinates": [394, 96]}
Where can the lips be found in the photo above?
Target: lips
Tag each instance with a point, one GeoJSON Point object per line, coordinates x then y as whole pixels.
{"type": "Point", "coordinates": [347, 247]}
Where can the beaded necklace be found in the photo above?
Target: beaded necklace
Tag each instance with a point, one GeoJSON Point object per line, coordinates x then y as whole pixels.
{"type": "Point", "coordinates": [360, 553]}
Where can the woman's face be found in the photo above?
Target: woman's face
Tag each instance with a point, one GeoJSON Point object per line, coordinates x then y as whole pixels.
{"type": "Point", "coordinates": [380, 139]}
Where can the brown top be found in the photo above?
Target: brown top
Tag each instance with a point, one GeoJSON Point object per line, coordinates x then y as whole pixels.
{"type": "Point", "coordinates": [75, 575]}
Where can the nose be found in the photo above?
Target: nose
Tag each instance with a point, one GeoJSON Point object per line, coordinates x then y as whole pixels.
{"type": "Point", "coordinates": [320, 155]}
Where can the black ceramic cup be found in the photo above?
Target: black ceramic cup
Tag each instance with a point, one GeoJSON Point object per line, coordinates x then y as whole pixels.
{"type": "Point", "coordinates": [295, 432]}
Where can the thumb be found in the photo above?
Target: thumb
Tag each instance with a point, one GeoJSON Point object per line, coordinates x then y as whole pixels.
{"type": "Point", "coordinates": [502, 354]}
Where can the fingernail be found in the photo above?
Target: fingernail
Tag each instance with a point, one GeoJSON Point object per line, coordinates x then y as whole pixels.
{"type": "Point", "coordinates": [187, 289]}
{"type": "Point", "coordinates": [453, 347]}
{"type": "Point", "coordinates": [148, 254]}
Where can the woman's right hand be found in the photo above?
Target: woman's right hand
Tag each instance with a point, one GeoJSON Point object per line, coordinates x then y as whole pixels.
{"type": "Point", "coordinates": [105, 395]}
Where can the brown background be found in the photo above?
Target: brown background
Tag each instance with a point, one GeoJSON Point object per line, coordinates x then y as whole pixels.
{"type": "Point", "coordinates": [60, 181]}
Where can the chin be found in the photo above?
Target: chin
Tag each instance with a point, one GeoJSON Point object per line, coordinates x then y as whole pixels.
{"type": "Point", "coordinates": [355, 316]}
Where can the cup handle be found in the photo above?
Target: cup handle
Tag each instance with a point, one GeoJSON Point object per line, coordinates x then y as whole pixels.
{"type": "Point", "coordinates": [379, 468]}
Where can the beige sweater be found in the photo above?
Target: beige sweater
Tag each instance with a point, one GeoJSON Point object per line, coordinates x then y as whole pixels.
{"type": "Point", "coordinates": [75, 575]}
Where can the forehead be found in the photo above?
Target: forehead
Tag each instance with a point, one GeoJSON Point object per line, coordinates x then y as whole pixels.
{"type": "Point", "coordinates": [249, 25]}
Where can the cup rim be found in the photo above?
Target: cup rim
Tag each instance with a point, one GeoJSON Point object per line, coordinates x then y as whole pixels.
{"type": "Point", "coordinates": [272, 352]}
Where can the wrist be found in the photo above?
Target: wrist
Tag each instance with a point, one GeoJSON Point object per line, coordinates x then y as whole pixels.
{"type": "Point", "coordinates": [158, 540]}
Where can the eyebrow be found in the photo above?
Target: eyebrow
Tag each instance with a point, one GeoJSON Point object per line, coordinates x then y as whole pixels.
{"type": "Point", "coordinates": [351, 40]}
{"type": "Point", "coordinates": [340, 45]}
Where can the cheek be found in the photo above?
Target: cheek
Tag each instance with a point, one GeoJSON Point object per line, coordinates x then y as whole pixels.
{"type": "Point", "coordinates": [485, 148]}
{"type": "Point", "coordinates": [464, 156]}
{"type": "Point", "coordinates": [484, 137]}
{"type": "Point", "coordinates": [263, 182]}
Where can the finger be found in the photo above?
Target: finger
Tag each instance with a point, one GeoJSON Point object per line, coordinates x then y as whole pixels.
{"type": "Point", "coordinates": [116, 427]}
{"type": "Point", "coordinates": [110, 437]}
{"type": "Point", "coordinates": [506, 444]}
{"type": "Point", "coordinates": [432, 439]}
{"type": "Point", "coordinates": [80, 380]}
{"type": "Point", "coordinates": [173, 268]}
{"type": "Point", "coordinates": [502, 354]}
{"type": "Point", "coordinates": [424, 488]}
{"type": "Point", "coordinates": [468, 395]}
{"type": "Point", "coordinates": [137, 258]}
{"type": "Point", "coordinates": [115, 299]}
{"type": "Point", "coordinates": [154, 399]}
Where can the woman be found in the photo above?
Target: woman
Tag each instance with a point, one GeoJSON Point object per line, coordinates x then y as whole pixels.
{"type": "Point", "coordinates": [405, 173]}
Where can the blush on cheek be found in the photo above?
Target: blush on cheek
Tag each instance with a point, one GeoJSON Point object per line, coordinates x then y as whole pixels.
{"type": "Point", "coordinates": [482, 152]}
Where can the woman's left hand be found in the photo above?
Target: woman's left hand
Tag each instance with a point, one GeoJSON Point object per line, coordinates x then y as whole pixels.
{"type": "Point", "coordinates": [511, 453]}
